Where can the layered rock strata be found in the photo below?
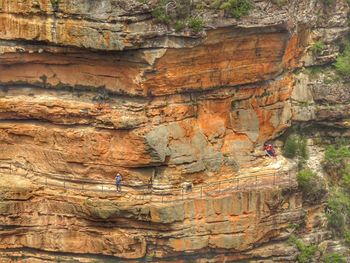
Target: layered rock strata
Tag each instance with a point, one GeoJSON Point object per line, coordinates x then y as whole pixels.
{"type": "Point", "coordinates": [75, 225]}
{"type": "Point", "coordinates": [324, 102]}
{"type": "Point", "coordinates": [89, 88]}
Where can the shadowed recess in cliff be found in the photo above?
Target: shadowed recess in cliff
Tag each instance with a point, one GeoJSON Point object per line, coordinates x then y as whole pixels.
{"type": "Point", "coordinates": [227, 57]}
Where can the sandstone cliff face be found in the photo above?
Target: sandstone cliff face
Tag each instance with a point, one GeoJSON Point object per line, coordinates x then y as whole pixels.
{"type": "Point", "coordinates": [89, 88]}
{"type": "Point", "coordinates": [325, 102]}
{"type": "Point", "coordinates": [71, 223]}
{"type": "Point", "coordinates": [149, 107]}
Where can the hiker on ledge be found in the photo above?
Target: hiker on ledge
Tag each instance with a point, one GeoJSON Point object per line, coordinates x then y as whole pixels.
{"type": "Point", "coordinates": [269, 150]}
{"type": "Point", "coordinates": [118, 182]}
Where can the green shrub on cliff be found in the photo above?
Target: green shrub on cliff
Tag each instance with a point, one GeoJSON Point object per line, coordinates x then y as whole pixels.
{"type": "Point", "coordinates": [317, 47]}
{"type": "Point", "coordinates": [236, 8]}
{"type": "Point", "coordinates": [338, 209]}
{"type": "Point", "coordinates": [335, 155]}
{"type": "Point", "coordinates": [196, 24]}
{"type": "Point", "coordinates": [345, 179]}
{"type": "Point", "coordinates": [306, 252]}
{"type": "Point", "coordinates": [55, 4]}
{"type": "Point", "coordinates": [302, 149]}
{"type": "Point", "coordinates": [335, 163]}
{"type": "Point", "coordinates": [328, 2]}
{"type": "Point", "coordinates": [334, 258]}
{"type": "Point", "coordinates": [311, 185]}
{"type": "Point", "coordinates": [160, 15]}
{"type": "Point", "coordinates": [170, 11]}
{"type": "Point", "coordinates": [179, 25]}
{"type": "Point", "coordinates": [342, 63]}
{"type": "Point", "coordinates": [347, 237]}
{"type": "Point", "coordinates": [177, 14]}
{"type": "Point", "coordinates": [290, 147]}
{"type": "Point", "coordinates": [295, 146]}
{"type": "Point", "coordinates": [306, 179]}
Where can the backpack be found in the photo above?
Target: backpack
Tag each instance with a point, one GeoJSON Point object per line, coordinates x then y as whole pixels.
{"type": "Point", "coordinates": [118, 179]}
{"type": "Point", "coordinates": [269, 147]}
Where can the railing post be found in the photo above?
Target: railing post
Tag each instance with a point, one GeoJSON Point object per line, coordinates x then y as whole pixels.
{"type": "Point", "coordinates": [64, 181]}
{"type": "Point", "coordinates": [289, 177]}
{"type": "Point", "coordinates": [237, 183]}
{"type": "Point", "coordinates": [46, 180]}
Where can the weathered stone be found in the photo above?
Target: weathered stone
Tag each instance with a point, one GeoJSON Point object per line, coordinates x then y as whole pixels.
{"type": "Point", "coordinates": [167, 214]}
{"type": "Point", "coordinates": [212, 160]}
{"type": "Point", "coordinates": [227, 241]}
{"type": "Point", "coordinates": [157, 140]}
{"type": "Point", "coordinates": [91, 88]}
{"type": "Point", "coordinates": [194, 167]}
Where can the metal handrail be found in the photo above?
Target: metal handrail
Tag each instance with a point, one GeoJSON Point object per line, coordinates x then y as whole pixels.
{"type": "Point", "coordinates": [180, 193]}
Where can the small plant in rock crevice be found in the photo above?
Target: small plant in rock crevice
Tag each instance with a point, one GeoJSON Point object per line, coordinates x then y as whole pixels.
{"type": "Point", "coordinates": [306, 252]}
{"type": "Point", "coordinates": [196, 24]}
{"type": "Point", "coordinates": [342, 64]}
{"type": "Point", "coordinates": [235, 8]}
{"type": "Point", "coordinates": [181, 14]}
{"type": "Point", "coordinates": [280, 2]}
{"type": "Point", "coordinates": [346, 236]}
{"type": "Point", "coordinates": [317, 48]}
{"type": "Point", "coordinates": [178, 14]}
{"type": "Point", "coordinates": [179, 25]}
{"type": "Point", "coordinates": [334, 258]}
{"type": "Point", "coordinates": [327, 2]}
{"type": "Point", "coordinates": [55, 4]}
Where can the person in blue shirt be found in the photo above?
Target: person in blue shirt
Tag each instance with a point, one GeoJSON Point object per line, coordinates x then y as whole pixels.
{"type": "Point", "coordinates": [118, 182]}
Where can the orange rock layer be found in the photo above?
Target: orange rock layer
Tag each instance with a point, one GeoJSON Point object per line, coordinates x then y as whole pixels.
{"type": "Point", "coordinates": [227, 57]}
{"type": "Point", "coordinates": [74, 134]}
{"type": "Point", "coordinates": [76, 226]}
{"type": "Point", "coordinates": [93, 113]}
{"type": "Point", "coordinates": [90, 88]}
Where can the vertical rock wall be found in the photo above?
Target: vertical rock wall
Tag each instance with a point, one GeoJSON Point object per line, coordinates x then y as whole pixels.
{"type": "Point", "coordinates": [89, 88]}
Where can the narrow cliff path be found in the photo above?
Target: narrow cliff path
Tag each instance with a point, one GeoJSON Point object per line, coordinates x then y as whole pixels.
{"type": "Point", "coordinates": [270, 174]}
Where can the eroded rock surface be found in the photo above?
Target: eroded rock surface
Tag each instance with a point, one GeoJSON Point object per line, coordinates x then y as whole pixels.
{"type": "Point", "coordinates": [89, 88]}
{"type": "Point", "coordinates": [40, 219]}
